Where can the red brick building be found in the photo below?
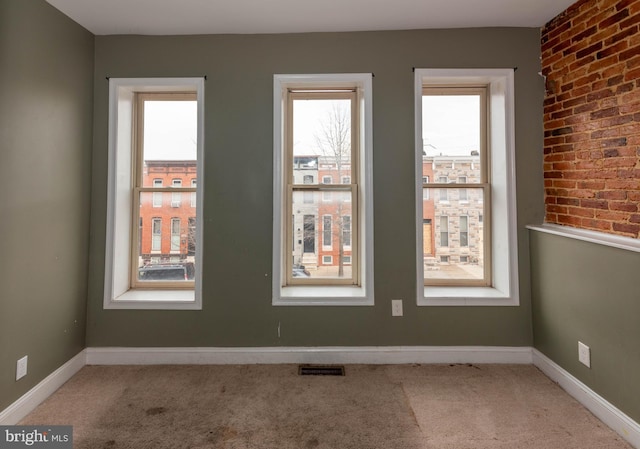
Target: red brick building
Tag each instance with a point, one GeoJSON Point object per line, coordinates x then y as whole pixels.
{"type": "Point", "coordinates": [167, 219]}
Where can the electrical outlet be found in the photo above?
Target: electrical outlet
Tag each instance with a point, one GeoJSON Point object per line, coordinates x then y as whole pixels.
{"type": "Point", "coordinates": [21, 368]}
{"type": "Point", "coordinates": [396, 307]}
{"type": "Point", "coordinates": [584, 354]}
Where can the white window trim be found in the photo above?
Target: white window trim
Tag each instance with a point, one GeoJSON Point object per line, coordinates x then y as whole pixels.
{"type": "Point", "coordinates": [314, 295]}
{"type": "Point", "coordinates": [117, 291]}
{"type": "Point", "coordinates": [505, 288]}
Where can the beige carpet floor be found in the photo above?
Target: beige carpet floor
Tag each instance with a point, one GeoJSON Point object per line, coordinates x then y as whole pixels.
{"type": "Point", "coordinates": [271, 406]}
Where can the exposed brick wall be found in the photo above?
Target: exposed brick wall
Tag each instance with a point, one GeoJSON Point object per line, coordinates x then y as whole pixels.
{"type": "Point", "coordinates": [591, 61]}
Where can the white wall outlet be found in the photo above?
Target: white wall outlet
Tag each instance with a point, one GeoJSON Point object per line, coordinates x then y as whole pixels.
{"type": "Point", "coordinates": [584, 354]}
{"type": "Point", "coordinates": [21, 368]}
{"type": "Point", "coordinates": [396, 307]}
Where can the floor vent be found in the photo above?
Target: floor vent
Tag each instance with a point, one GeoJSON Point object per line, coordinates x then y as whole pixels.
{"type": "Point", "coordinates": [320, 370]}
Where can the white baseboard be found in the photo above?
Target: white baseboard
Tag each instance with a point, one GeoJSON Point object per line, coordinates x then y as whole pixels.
{"type": "Point", "coordinates": [605, 411]}
{"type": "Point", "coordinates": [34, 397]}
{"type": "Point", "coordinates": [346, 355]}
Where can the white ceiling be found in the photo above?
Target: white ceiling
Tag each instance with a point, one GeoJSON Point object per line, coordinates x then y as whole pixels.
{"type": "Point", "coordinates": [292, 16]}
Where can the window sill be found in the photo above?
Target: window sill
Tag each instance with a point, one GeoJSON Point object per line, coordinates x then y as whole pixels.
{"type": "Point", "coordinates": [155, 300]}
{"type": "Point", "coordinates": [599, 238]}
{"type": "Point", "coordinates": [465, 296]}
{"type": "Point", "coordinates": [322, 295]}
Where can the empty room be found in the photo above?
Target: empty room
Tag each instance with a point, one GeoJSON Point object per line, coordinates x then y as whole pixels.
{"type": "Point", "coordinates": [245, 224]}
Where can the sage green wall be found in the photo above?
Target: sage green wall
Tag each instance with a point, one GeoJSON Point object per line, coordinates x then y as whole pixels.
{"type": "Point", "coordinates": [588, 292]}
{"type": "Point", "coordinates": [46, 107]}
{"type": "Point", "coordinates": [238, 204]}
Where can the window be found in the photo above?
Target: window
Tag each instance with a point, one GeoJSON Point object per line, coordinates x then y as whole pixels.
{"type": "Point", "coordinates": [327, 260]}
{"type": "Point", "coordinates": [327, 236]}
{"type": "Point", "coordinates": [155, 134]}
{"type": "Point", "coordinates": [464, 132]}
{"type": "Point", "coordinates": [322, 124]}
{"type": "Point", "coordinates": [462, 193]}
{"type": "Point", "coordinates": [157, 196]}
{"type": "Point", "coordinates": [346, 231]}
{"type": "Point", "coordinates": [443, 193]}
{"type": "Point", "coordinates": [346, 260]}
{"type": "Point", "coordinates": [464, 231]}
{"type": "Point", "coordinates": [175, 235]}
{"type": "Point", "coordinates": [444, 231]}
{"type": "Point", "coordinates": [156, 234]}
{"type": "Point", "coordinates": [425, 191]}
{"type": "Point", "coordinates": [176, 196]}
{"type": "Point", "coordinates": [193, 194]}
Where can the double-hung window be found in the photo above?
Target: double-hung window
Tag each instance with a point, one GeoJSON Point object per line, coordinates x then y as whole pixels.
{"type": "Point", "coordinates": [153, 255]}
{"type": "Point", "coordinates": [322, 129]}
{"type": "Point", "coordinates": [465, 142]}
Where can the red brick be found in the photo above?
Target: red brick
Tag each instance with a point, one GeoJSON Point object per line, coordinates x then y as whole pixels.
{"type": "Point", "coordinates": [566, 219]}
{"type": "Point", "coordinates": [612, 50]}
{"type": "Point", "coordinates": [631, 173]}
{"type": "Point", "coordinates": [599, 17]}
{"type": "Point", "coordinates": [590, 185]}
{"type": "Point", "coordinates": [582, 193]}
{"type": "Point", "coordinates": [615, 121]}
{"type": "Point", "coordinates": [571, 138]}
{"type": "Point", "coordinates": [623, 206]}
{"type": "Point", "coordinates": [626, 184]}
{"type": "Point", "coordinates": [612, 195]}
{"type": "Point", "coordinates": [619, 36]}
{"type": "Point", "coordinates": [609, 102]}
{"type": "Point", "coordinates": [587, 79]}
{"type": "Point", "coordinates": [631, 229]}
{"type": "Point", "coordinates": [630, 53]}
{"type": "Point", "coordinates": [635, 218]}
{"type": "Point", "coordinates": [585, 108]}
{"type": "Point", "coordinates": [561, 114]}
{"type": "Point", "coordinates": [627, 87]}
{"type": "Point", "coordinates": [632, 75]}
{"type": "Point", "coordinates": [581, 212]}
{"type": "Point", "coordinates": [604, 113]}
{"type": "Point", "coordinates": [606, 132]}
{"type": "Point", "coordinates": [633, 62]}
{"type": "Point", "coordinates": [568, 202]}
{"type": "Point", "coordinates": [563, 183]}
{"type": "Point", "coordinates": [622, 141]}
{"type": "Point", "coordinates": [599, 95]}
{"type": "Point", "coordinates": [620, 162]}
{"type": "Point", "coordinates": [611, 20]}
{"type": "Point", "coordinates": [596, 224]}
{"type": "Point", "coordinates": [613, 70]}
{"type": "Point", "coordinates": [609, 215]}
{"type": "Point", "coordinates": [587, 165]}
{"type": "Point", "coordinates": [633, 20]}
{"type": "Point", "coordinates": [556, 209]}
{"type": "Point", "coordinates": [549, 141]}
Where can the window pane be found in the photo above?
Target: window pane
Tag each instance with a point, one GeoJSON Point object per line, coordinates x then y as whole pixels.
{"type": "Point", "coordinates": [451, 136]}
{"type": "Point", "coordinates": [167, 237]}
{"type": "Point", "coordinates": [321, 140]}
{"type": "Point", "coordinates": [321, 235]}
{"type": "Point", "coordinates": [170, 131]}
{"type": "Point", "coordinates": [453, 249]}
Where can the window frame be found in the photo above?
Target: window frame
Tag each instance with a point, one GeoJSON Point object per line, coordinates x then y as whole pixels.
{"type": "Point", "coordinates": [332, 293]}
{"type": "Point", "coordinates": [119, 289]}
{"type": "Point", "coordinates": [503, 289]}
{"type": "Point", "coordinates": [448, 186]}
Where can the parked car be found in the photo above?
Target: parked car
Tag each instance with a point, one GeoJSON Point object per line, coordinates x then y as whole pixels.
{"type": "Point", "coordinates": [184, 271]}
